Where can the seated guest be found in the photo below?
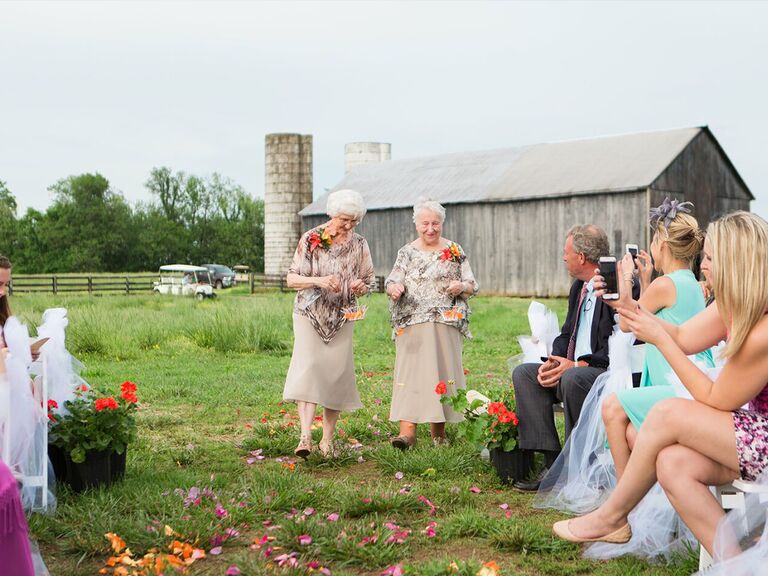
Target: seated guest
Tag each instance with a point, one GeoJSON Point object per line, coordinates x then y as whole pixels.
{"type": "Point", "coordinates": [579, 354]}
{"type": "Point", "coordinates": [675, 297]}
{"type": "Point", "coordinates": [429, 287]}
{"type": "Point", "coordinates": [689, 445]}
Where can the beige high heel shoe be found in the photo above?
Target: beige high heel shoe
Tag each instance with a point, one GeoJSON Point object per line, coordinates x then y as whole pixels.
{"type": "Point", "coordinates": [326, 449]}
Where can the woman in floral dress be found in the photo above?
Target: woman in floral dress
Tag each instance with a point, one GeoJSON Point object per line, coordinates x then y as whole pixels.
{"type": "Point", "coordinates": [429, 287]}
{"type": "Point", "coordinates": [330, 269]}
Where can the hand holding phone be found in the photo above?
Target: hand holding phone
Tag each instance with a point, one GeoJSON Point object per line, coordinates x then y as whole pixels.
{"type": "Point", "coordinates": [608, 272]}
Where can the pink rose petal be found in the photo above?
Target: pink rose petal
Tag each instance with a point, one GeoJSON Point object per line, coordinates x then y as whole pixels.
{"type": "Point", "coordinates": [399, 475]}
{"type": "Point", "coordinates": [232, 571]}
{"type": "Point", "coordinates": [215, 551]}
{"type": "Point", "coordinates": [332, 517]}
{"type": "Point", "coordinates": [305, 540]}
{"type": "Point", "coordinates": [474, 490]}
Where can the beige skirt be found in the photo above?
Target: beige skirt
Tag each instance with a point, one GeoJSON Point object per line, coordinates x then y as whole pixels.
{"type": "Point", "coordinates": [322, 373]}
{"type": "Point", "coordinates": [425, 354]}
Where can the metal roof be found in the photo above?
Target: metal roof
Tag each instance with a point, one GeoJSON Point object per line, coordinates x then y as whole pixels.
{"type": "Point", "coordinates": [608, 164]}
{"type": "Point", "coordinates": [182, 268]}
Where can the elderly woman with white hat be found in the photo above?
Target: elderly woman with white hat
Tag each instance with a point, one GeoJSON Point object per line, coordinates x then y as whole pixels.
{"type": "Point", "coordinates": [331, 268]}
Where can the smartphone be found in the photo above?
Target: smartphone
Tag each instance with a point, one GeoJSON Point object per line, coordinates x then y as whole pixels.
{"type": "Point", "coordinates": [608, 272]}
{"type": "Point", "coordinates": [37, 344]}
{"type": "Point", "coordinates": [632, 249]}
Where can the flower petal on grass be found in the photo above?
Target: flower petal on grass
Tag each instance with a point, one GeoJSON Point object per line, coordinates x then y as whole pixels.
{"type": "Point", "coordinates": [475, 490]}
{"type": "Point", "coordinates": [333, 517]}
{"type": "Point", "coordinates": [215, 551]}
{"type": "Point", "coordinates": [399, 475]}
{"type": "Point", "coordinates": [304, 540]}
{"type": "Point", "coordinates": [233, 570]}
{"type": "Point", "coordinates": [504, 506]}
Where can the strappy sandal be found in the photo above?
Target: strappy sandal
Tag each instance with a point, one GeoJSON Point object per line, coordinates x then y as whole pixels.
{"type": "Point", "coordinates": [304, 447]}
{"type": "Point", "coordinates": [326, 449]}
{"type": "Point", "coordinates": [402, 442]}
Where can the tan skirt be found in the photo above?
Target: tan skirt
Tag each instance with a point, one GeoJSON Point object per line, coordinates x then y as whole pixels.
{"type": "Point", "coordinates": [425, 354]}
{"type": "Point", "coordinates": [322, 373]}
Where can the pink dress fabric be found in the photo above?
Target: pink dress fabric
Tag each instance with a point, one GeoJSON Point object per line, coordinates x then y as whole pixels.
{"type": "Point", "coordinates": [14, 540]}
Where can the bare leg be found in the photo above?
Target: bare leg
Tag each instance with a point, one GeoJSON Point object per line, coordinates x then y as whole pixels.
{"type": "Point", "coordinates": [330, 417]}
{"type": "Point", "coordinates": [686, 476]}
{"type": "Point", "coordinates": [408, 430]}
{"type": "Point", "coordinates": [306, 417]}
{"type": "Point", "coordinates": [616, 422]}
{"type": "Point", "coordinates": [631, 437]}
{"type": "Point", "coordinates": [670, 422]}
{"type": "Point", "coordinates": [437, 429]}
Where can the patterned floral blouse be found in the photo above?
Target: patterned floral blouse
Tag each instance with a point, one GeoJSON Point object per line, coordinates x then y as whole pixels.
{"type": "Point", "coordinates": [426, 277]}
{"type": "Point", "coordinates": [348, 261]}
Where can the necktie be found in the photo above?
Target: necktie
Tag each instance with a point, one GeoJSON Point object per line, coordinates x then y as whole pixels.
{"type": "Point", "coordinates": [572, 340]}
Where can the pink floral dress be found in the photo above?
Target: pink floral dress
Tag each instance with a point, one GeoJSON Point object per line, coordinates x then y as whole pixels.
{"type": "Point", "coordinates": [751, 428]}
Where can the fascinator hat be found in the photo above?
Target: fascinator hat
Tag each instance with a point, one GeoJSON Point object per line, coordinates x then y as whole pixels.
{"type": "Point", "coordinates": [668, 211]}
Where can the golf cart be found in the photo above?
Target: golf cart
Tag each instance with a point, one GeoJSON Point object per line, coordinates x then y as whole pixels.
{"type": "Point", "coordinates": [184, 280]}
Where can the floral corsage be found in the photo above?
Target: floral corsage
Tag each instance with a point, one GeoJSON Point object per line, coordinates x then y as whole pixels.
{"type": "Point", "coordinates": [452, 253]}
{"type": "Point", "coordinates": [319, 238]}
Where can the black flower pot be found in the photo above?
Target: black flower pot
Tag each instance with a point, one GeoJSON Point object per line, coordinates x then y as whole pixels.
{"type": "Point", "coordinates": [117, 465]}
{"type": "Point", "coordinates": [58, 458]}
{"type": "Point", "coordinates": [93, 472]}
{"type": "Point", "coordinates": [512, 466]}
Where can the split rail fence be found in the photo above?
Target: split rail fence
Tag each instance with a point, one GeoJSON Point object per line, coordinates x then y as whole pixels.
{"type": "Point", "coordinates": [128, 284]}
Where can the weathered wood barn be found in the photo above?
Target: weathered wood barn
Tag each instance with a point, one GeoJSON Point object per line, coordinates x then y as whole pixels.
{"type": "Point", "coordinates": [511, 208]}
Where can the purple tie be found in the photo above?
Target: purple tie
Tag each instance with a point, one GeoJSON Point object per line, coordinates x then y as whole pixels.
{"type": "Point", "coordinates": [572, 340]}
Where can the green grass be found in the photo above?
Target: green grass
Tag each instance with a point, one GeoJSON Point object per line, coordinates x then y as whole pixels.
{"type": "Point", "coordinates": [210, 378]}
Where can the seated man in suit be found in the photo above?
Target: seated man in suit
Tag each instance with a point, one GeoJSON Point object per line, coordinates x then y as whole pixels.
{"type": "Point", "coordinates": [579, 354]}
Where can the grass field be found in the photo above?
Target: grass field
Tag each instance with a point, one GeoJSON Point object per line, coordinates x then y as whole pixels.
{"type": "Point", "coordinates": [210, 378]}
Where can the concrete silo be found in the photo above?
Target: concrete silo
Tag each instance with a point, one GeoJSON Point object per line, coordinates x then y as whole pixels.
{"type": "Point", "coordinates": [357, 153]}
{"type": "Point", "coordinates": [288, 189]}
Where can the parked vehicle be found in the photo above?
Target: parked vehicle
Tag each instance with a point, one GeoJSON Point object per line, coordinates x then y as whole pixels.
{"type": "Point", "coordinates": [242, 273]}
{"type": "Point", "coordinates": [221, 276]}
{"type": "Point", "coordinates": [184, 280]}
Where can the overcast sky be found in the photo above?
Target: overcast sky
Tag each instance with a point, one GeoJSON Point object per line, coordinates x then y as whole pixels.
{"type": "Point", "coordinates": [119, 88]}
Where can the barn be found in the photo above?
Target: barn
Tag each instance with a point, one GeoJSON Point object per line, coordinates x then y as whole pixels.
{"type": "Point", "coordinates": [511, 208]}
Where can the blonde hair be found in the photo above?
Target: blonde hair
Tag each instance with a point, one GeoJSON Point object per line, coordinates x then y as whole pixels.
{"type": "Point", "coordinates": [683, 237]}
{"type": "Point", "coordinates": [739, 243]}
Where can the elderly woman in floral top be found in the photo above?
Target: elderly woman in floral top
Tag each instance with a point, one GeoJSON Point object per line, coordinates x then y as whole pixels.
{"type": "Point", "coordinates": [330, 269]}
{"type": "Point", "coordinates": [429, 287]}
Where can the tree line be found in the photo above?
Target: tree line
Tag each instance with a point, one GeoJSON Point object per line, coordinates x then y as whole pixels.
{"type": "Point", "coordinates": [90, 227]}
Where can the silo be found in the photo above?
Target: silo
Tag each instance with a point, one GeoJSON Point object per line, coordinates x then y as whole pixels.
{"type": "Point", "coordinates": [357, 153]}
{"type": "Point", "coordinates": [288, 189]}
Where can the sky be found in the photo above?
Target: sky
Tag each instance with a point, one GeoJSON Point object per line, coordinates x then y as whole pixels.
{"type": "Point", "coordinates": [121, 87]}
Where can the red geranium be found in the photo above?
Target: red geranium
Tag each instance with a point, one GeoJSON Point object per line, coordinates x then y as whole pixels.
{"type": "Point", "coordinates": [128, 386]}
{"type": "Point", "coordinates": [441, 388]}
{"type": "Point", "coordinates": [109, 403]}
{"type": "Point", "coordinates": [52, 404]}
{"type": "Point", "coordinates": [129, 396]}
{"type": "Point", "coordinates": [496, 408]}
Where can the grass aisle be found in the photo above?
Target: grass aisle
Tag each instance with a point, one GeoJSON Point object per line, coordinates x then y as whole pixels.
{"type": "Point", "coordinates": [210, 459]}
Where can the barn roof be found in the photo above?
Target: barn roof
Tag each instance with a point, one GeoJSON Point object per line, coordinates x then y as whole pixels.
{"type": "Point", "coordinates": [598, 165]}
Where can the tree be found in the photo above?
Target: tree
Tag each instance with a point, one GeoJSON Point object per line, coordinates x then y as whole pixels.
{"type": "Point", "coordinates": [8, 223]}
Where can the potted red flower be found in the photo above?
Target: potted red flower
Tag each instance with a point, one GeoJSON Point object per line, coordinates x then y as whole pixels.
{"type": "Point", "coordinates": [491, 425]}
{"type": "Point", "coordinates": [93, 432]}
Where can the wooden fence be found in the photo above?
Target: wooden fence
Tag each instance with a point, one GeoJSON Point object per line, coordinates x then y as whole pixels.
{"type": "Point", "coordinates": [61, 284]}
{"type": "Point", "coordinates": [265, 281]}
{"type": "Point", "coordinates": [129, 284]}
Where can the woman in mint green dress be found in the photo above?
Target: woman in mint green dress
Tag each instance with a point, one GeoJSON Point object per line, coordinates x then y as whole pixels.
{"type": "Point", "coordinates": [675, 297]}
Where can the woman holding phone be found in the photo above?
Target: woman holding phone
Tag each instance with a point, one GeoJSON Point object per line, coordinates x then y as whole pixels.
{"type": "Point", "coordinates": [689, 445]}
{"type": "Point", "coordinates": [674, 297]}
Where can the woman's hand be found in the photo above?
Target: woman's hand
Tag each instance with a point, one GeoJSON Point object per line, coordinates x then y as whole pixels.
{"type": "Point", "coordinates": [644, 268]}
{"type": "Point", "coordinates": [455, 288]}
{"type": "Point", "coordinates": [643, 324]}
{"type": "Point", "coordinates": [598, 284]}
{"type": "Point", "coordinates": [358, 287]}
{"type": "Point", "coordinates": [395, 290]}
{"type": "Point", "coordinates": [331, 283]}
